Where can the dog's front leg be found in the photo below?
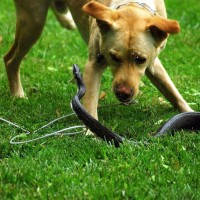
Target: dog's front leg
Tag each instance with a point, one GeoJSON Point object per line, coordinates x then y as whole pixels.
{"type": "Point", "coordinates": [92, 78]}
{"type": "Point", "coordinates": [159, 77]}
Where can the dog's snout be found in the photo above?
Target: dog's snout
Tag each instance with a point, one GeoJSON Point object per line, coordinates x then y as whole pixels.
{"type": "Point", "coordinates": [123, 93]}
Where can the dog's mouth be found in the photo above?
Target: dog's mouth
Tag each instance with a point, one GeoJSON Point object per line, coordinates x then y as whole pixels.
{"type": "Point", "coordinates": [127, 101]}
{"type": "Point", "coordinates": [124, 98]}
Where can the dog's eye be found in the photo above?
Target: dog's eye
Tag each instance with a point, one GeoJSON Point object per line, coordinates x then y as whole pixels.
{"type": "Point", "coordinates": [115, 58]}
{"type": "Point", "coordinates": [139, 60]}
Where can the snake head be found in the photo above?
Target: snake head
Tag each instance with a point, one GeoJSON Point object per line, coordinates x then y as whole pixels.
{"type": "Point", "coordinates": [76, 71]}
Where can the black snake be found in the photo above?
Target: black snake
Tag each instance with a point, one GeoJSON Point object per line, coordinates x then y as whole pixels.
{"type": "Point", "coordinates": [182, 121]}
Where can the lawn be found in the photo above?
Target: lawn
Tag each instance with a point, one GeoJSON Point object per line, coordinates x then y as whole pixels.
{"type": "Point", "coordinates": [79, 167]}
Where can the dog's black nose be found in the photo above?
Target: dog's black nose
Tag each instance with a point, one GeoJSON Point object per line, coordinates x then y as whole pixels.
{"type": "Point", "coordinates": [123, 93]}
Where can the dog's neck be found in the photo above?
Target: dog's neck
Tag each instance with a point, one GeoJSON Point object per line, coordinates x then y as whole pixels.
{"type": "Point", "coordinates": [147, 4]}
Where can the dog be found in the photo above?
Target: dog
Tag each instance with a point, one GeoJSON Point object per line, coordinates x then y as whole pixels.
{"type": "Point", "coordinates": [125, 35]}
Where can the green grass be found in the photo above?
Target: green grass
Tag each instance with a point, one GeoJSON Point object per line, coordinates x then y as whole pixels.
{"type": "Point", "coordinates": [79, 167]}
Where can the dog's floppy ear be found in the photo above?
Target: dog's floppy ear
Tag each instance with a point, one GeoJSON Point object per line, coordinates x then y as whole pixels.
{"type": "Point", "coordinates": [160, 28]}
{"type": "Point", "coordinates": [103, 14]}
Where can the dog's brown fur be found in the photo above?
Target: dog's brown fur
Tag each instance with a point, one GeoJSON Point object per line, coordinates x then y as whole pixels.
{"type": "Point", "coordinates": [128, 39]}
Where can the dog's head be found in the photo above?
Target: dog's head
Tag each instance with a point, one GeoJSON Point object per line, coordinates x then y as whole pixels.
{"type": "Point", "coordinates": [130, 39]}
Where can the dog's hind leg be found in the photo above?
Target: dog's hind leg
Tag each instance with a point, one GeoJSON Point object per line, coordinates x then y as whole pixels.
{"type": "Point", "coordinates": [63, 14]}
{"type": "Point", "coordinates": [30, 20]}
{"type": "Point", "coordinates": [159, 77]}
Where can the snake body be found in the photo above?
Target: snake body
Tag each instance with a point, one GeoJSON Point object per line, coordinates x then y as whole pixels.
{"type": "Point", "coordinates": [182, 121]}
{"type": "Point", "coordinates": [187, 120]}
{"type": "Point", "coordinates": [90, 122]}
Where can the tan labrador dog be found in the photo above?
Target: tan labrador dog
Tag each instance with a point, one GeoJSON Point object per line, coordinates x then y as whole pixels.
{"type": "Point", "coordinates": [126, 35]}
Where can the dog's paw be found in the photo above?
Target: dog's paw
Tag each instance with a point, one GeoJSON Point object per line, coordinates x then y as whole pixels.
{"type": "Point", "coordinates": [18, 94]}
{"type": "Point", "coordinates": [88, 132]}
